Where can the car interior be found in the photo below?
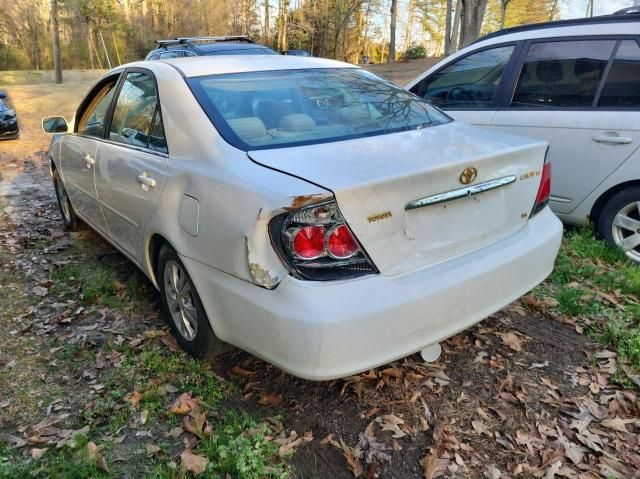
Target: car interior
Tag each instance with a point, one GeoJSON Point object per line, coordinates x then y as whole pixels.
{"type": "Point", "coordinates": [263, 116]}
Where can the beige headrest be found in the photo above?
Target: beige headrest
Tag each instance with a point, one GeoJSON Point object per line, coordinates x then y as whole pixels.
{"type": "Point", "coordinates": [355, 113]}
{"type": "Point", "coordinates": [248, 128]}
{"type": "Point", "coordinates": [297, 122]}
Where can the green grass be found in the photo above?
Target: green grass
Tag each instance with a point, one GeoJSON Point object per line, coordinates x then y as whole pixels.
{"type": "Point", "coordinates": [589, 278]}
{"type": "Point", "coordinates": [64, 464]}
{"type": "Point", "coordinates": [97, 283]}
{"type": "Point", "coordinates": [238, 448]}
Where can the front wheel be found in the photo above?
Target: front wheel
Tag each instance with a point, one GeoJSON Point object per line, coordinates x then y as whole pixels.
{"type": "Point", "coordinates": [619, 222]}
{"type": "Point", "coordinates": [183, 309]}
{"type": "Point", "coordinates": [69, 217]}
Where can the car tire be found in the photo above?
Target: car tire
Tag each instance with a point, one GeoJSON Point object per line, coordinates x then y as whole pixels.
{"type": "Point", "coordinates": [69, 218]}
{"type": "Point", "coordinates": [183, 309]}
{"type": "Point", "coordinates": [619, 222]}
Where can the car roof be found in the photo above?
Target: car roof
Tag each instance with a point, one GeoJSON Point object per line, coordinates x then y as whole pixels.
{"type": "Point", "coordinates": [601, 25]}
{"type": "Point", "coordinates": [215, 65]}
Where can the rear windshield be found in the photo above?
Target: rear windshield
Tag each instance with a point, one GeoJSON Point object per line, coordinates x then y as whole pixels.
{"type": "Point", "coordinates": [276, 109]}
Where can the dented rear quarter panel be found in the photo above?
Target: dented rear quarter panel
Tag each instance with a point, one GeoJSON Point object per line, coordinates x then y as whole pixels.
{"type": "Point", "coordinates": [237, 197]}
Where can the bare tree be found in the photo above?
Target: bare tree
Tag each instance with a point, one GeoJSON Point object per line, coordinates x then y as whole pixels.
{"type": "Point", "coordinates": [392, 31]}
{"type": "Point", "coordinates": [471, 20]}
{"type": "Point", "coordinates": [503, 11]}
{"type": "Point", "coordinates": [447, 27]}
{"type": "Point", "coordinates": [554, 8]}
{"type": "Point", "coordinates": [265, 32]}
{"type": "Point", "coordinates": [282, 25]}
{"type": "Point", "coordinates": [55, 33]}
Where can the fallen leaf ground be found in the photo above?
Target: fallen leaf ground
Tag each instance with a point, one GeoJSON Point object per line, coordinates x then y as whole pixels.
{"type": "Point", "coordinates": [92, 385]}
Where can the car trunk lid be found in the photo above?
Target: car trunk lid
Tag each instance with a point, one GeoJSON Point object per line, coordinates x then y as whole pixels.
{"type": "Point", "coordinates": [403, 194]}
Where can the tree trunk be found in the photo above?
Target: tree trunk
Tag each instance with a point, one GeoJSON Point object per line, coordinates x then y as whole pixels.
{"type": "Point", "coordinates": [392, 31]}
{"type": "Point", "coordinates": [265, 31]}
{"type": "Point", "coordinates": [472, 15]}
{"type": "Point", "coordinates": [282, 25]}
{"type": "Point", "coordinates": [455, 30]}
{"type": "Point", "coordinates": [55, 33]}
{"type": "Point", "coordinates": [409, 26]}
{"type": "Point", "coordinates": [503, 11]}
{"type": "Point", "coordinates": [447, 27]}
{"type": "Point", "coordinates": [554, 7]}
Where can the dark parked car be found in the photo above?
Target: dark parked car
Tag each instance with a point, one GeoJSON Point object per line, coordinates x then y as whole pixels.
{"type": "Point", "coordinates": [8, 122]}
{"type": "Point", "coordinates": [202, 46]}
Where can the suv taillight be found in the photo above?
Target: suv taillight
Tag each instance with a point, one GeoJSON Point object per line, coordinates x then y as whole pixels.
{"type": "Point", "coordinates": [315, 243]}
{"type": "Point", "coordinates": [544, 190]}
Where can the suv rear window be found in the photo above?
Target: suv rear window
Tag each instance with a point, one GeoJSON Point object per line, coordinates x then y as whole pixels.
{"type": "Point", "coordinates": [622, 85]}
{"type": "Point", "coordinates": [274, 109]}
{"type": "Point", "coordinates": [563, 74]}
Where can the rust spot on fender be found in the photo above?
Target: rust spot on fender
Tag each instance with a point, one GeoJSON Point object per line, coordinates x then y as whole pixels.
{"type": "Point", "coordinates": [304, 200]}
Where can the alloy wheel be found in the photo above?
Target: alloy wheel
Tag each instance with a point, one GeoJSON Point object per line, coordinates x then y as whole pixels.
{"type": "Point", "coordinates": [180, 300]}
{"type": "Point", "coordinates": [626, 230]}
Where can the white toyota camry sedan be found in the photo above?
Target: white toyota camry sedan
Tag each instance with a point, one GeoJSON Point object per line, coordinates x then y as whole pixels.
{"type": "Point", "coordinates": [304, 209]}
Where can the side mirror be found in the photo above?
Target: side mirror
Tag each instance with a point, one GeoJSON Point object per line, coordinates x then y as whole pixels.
{"type": "Point", "coordinates": [55, 124]}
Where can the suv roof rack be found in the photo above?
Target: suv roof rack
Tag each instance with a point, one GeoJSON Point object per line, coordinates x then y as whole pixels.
{"type": "Point", "coordinates": [624, 15]}
{"type": "Point", "coordinates": [191, 40]}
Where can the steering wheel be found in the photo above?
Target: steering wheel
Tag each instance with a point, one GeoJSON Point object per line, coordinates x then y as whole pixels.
{"type": "Point", "coordinates": [459, 94]}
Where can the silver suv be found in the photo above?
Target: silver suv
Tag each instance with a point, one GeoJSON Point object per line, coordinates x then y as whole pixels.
{"type": "Point", "coordinates": [573, 83]}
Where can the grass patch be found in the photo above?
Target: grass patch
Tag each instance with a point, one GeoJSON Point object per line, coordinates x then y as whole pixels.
{"type": "Point", "coordinates": [64, 464]}
{"type": "Point", "coordinates": [239, 448]}
{"type": "Point", "coordinates": [97, 284]}
{"type": "Point", "coordinates": [596, 282]}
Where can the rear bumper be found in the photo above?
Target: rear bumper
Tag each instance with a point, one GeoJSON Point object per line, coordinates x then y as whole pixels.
{"type": "Point", "coordinates": [327, 330]}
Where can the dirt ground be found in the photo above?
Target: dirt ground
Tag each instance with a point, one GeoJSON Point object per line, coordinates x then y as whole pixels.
{"type": "Point", "coordinates": [525, 393]}
{"type": "Point", "coordinates": [402, 72]}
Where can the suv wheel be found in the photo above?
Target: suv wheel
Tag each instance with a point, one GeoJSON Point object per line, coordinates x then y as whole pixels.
{"type": "Point", "coordinates": [183, 309]}
{"type": "Point", "coordinates": [619, 222]}
{"type": "Point", "coordinates": [69, 218]}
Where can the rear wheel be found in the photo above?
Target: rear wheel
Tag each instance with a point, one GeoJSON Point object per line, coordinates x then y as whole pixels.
{"type": "Point", "coordinates": [183, 309]}
{"type": "Point", "coordinates": [69, 218]}
{"type": "Point", "coordinates": [619, 222]}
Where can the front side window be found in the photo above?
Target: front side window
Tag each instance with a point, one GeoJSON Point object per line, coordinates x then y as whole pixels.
{"type": "Point", "coordinates": [622, 85]}
{"type": "Point", "coordinates": [470, 82]}
{"type": "Point", "coordinates": [562, 74]}
{"type": "Point", "coordinates": [135, 110]}
{"type": "Point", "coordinates": [92, 120]}
{"type": "Point", "coordinates": [273, 109]}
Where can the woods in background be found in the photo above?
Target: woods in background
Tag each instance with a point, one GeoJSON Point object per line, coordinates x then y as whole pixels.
{"type": "Point", "coordinates": [105, 33]}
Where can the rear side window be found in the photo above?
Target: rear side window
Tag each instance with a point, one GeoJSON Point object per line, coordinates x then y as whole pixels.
{"type": "Point", "coordinates": [135, 111]}
{"type": "Point", "coordinates": [470, 82]}
{"type": "Point", "coordinates": [562, 74]}
{"type": "Point", "coordinates": [622, 85]}
{"type": "Point", "coordinates": [157, 141]}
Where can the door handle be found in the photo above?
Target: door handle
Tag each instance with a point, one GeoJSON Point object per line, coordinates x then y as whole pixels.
{"type": "Point", "coordinates": [89, 162]}
{"type": "Point", "coordinates": [617, 140]}
{"type": "Point", "coordinates": [146, 181]}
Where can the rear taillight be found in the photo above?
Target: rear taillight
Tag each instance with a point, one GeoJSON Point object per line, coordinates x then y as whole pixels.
{"type": "Point", "coordinates": [316, 243]}
{"type": "Point", "coordinates": [544, 190]}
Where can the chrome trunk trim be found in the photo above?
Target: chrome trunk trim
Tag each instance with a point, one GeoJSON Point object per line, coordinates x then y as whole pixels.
{"type": "Point", "coordinates": [465, 192]}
